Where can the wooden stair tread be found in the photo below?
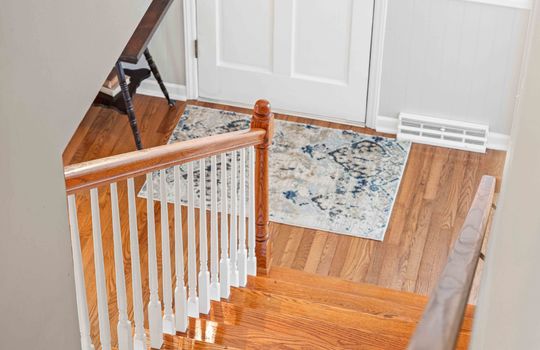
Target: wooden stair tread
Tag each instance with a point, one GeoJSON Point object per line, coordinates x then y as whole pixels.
{"type": "Point", "coordinates": [333, 284]}
{"type": "Point", "coordinates": [357, 319]}
{"type": "Point", "coordinates": [263, 329]}
{"type": "Point", "coordinates": [357, 303]}
{"type": "Point", "coordinates": [177, 342]}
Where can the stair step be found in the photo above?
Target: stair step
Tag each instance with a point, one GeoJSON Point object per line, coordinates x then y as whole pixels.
{"type": "Point", "coordinates": [357, 303]}
{"type": "Point", "coordinates": [244, 327]}
{"type": "Point", "coordinates": [383, 323]}
{"type": "Point", "coordinates": [378, 307]}
{"type": "Point", "coordinates": [177, 342]}
{"type": "Point", "coordinates": [330, 284]}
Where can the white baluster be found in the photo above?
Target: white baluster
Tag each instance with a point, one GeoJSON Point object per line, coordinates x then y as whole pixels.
{"type": "Point", "coordinates": [154, 305]}
{"type": "Point", "coordinates": [234, 222]}
{"type": "Point", "coordinates": [138, 314]}
{"type": "Point", "coordinates": [125, 336]}
{"type": "Point", "coordinates": [80, 289]}
{"type": "Point", "coordinates": [225, 287]}
{"type": "Point", "coordinates": [180, 297]}
{"type": "Point", "coordinates": [242, 251]}
{"type": "Point", "coordinates": [204, 275]}
{"type": "Point", "coordinates": [168, 317]}
{"type": "Point", "coordinates": [193, 300]}
{"type": "Point", "coordinates": [214, 245]}
{"type": "Point", "coordinates": [252, 259]}
{"type": "Point", "coordinates": [101, 288]}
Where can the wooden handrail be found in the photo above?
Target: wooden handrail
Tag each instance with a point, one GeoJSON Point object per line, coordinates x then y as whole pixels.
{"type": "Point", "coordinates": [87, 175]}
{"type": "Point", "coordinates": [99, 172]}
{"type": "Point", "coordinates": [441, 322]}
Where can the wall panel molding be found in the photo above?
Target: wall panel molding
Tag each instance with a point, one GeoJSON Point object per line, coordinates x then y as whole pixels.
{"type": "Point", "coordinates": [520, 4]}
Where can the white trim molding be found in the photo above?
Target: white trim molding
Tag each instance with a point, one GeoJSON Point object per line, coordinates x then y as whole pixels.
{"type": "Point", "coordinates": [376, 62]}
{"type": "Point", "coordinates": [495, 141]}
{"type": "Point", "coordinates": [519, 4]}
{"type": "Point", "coordinates": [387, 125]}
{"type": "Point", "coordinates": [150, 87]}
{"type": "Point", "coordinates": [190, 37]}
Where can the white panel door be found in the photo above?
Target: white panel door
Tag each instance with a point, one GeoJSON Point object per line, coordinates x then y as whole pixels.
{"type": "Point", "coordinates": [305, 56]}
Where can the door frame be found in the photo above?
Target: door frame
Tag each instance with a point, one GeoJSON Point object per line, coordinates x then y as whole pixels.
{"type": "Point", "coordinates": [380, 8]}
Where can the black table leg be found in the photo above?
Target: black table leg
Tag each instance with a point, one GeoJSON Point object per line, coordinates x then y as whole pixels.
{"type": "Point", "coordinates": [129, 105]}
{"type": "Point", "coordinates": [156, 74]}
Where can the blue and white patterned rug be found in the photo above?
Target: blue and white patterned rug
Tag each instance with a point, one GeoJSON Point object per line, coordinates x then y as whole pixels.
{"type": "Point", "coordinates": [333, 180]}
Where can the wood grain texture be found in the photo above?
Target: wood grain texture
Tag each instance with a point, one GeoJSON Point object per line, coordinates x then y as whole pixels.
{"type": "Point", "coordinates": [436, 191]}
{"type": "Point", "coordinates": [441, 322]}
{"type": "Point", "coordinates": [421, 216]}
{"type": "Point", "coordinates": [145, 30]}
{"type": "Point", "coordinates": [262, 119]}
{"type": "Point", "coordinates": [98, 172]}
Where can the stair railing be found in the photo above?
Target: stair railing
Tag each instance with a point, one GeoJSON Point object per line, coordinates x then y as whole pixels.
{"type": "Point", "coordinates": [243, 234]}
{"type": "Point", "coordinates": [440, 324]}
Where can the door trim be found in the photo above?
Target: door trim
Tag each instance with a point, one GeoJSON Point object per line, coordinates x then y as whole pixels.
{"type": "Point", "coordinates": [190, 37]}
{"type": "Point", "coordinates": [375, 67]}
{"type": "Point", "coordinates": [376, 61]}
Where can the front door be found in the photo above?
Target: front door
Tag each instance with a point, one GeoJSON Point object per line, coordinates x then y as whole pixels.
{"type": "Point", "coordinates": [305, 56]}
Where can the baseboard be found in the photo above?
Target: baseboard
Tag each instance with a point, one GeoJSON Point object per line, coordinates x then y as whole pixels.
{"type": "Point", "coordinates": [495, 140]}
{"type": "Point", "coordinates": [288, 112]}
{"type": "Point", "coordinates": [150, 87]}
{"type": "Point", "coordinates": [387, 125]}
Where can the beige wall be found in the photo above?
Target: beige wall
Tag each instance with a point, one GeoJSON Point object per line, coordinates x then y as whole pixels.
{"type": "Point", "coordinates": [509, 301]}
{"type": "Point", "coordinates": [54, 56]}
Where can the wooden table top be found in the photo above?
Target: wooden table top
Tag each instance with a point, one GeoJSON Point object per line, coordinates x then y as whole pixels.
{"type": "Point", "coordinates": [145, 30]}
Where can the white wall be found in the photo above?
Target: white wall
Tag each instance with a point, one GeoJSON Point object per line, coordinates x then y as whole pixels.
{"type": "Point", "coordinates": [454, 59]}
{"type": "Point", "coordinates": [167, 45]}
{"type": "Point", "coordinates": [509, 304]}
{"type": "Point", "coordinates": [54, 57]}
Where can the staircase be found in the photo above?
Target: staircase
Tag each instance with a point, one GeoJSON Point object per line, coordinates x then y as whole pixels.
{"type": "Point", "coordinates": [290, 309]}
{"type": "Point", "coordinates": [212, 285]}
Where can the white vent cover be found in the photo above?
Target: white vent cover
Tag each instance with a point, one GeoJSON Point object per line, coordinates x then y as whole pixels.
{"type": "Point", "coordinates": [443, 132]}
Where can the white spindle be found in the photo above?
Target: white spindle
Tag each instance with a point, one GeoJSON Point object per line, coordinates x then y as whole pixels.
{"type": "Point", "coordinates": [224, 261]}
{"type": "Point", "coordinates": [180, 297]}
{"type": "Point", "coordinates": [252, 259]}
{"type": "Point", "coordinates": [125, 336]}
{"type": "Point", "coordinates": [234, 222]}
{"type": "Point", "coordinates": [214, 246]}
{"type": "Point", "coordinates": [101, 288]}
{"type": "Point", "coordinates": [168, 317]}
{"type": "Point", "coordinates": [138, 314]}
{"type": "Point", "coordinates": [154, 305]}
{"type": "Point", "coordinates": [80, 289]}
{"type": "Point", "coordinates": [204, 275]}
{"type": "Point", "coordinates": [242, 251]}
{"type": "Point", "coordinates": [193, 300]}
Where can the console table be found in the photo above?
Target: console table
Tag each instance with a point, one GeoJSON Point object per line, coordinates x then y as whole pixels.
{"type": "Point", "coordinates": [135, 48]}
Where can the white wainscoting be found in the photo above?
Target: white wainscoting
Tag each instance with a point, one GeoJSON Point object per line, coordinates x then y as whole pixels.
{"type": "Point", "coordinates": [453, 58]}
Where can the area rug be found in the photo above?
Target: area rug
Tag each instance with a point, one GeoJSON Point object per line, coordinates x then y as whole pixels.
{"type": "Point", "coordinates": [339, 181]}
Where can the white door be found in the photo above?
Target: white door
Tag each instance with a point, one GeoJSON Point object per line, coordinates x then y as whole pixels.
{"type": "Point", "coordinates": [305, 56]}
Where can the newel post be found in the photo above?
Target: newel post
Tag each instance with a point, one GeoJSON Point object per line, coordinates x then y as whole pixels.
{"type": "Point", "coordinates": [262, 119]}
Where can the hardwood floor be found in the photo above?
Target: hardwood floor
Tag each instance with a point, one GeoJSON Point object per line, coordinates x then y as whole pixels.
{"type": "Point", "coordinates": [436, 191]}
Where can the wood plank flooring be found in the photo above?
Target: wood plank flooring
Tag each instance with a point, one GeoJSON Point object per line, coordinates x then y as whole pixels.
{"type": "Point", "coordinates": [435, 194]}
